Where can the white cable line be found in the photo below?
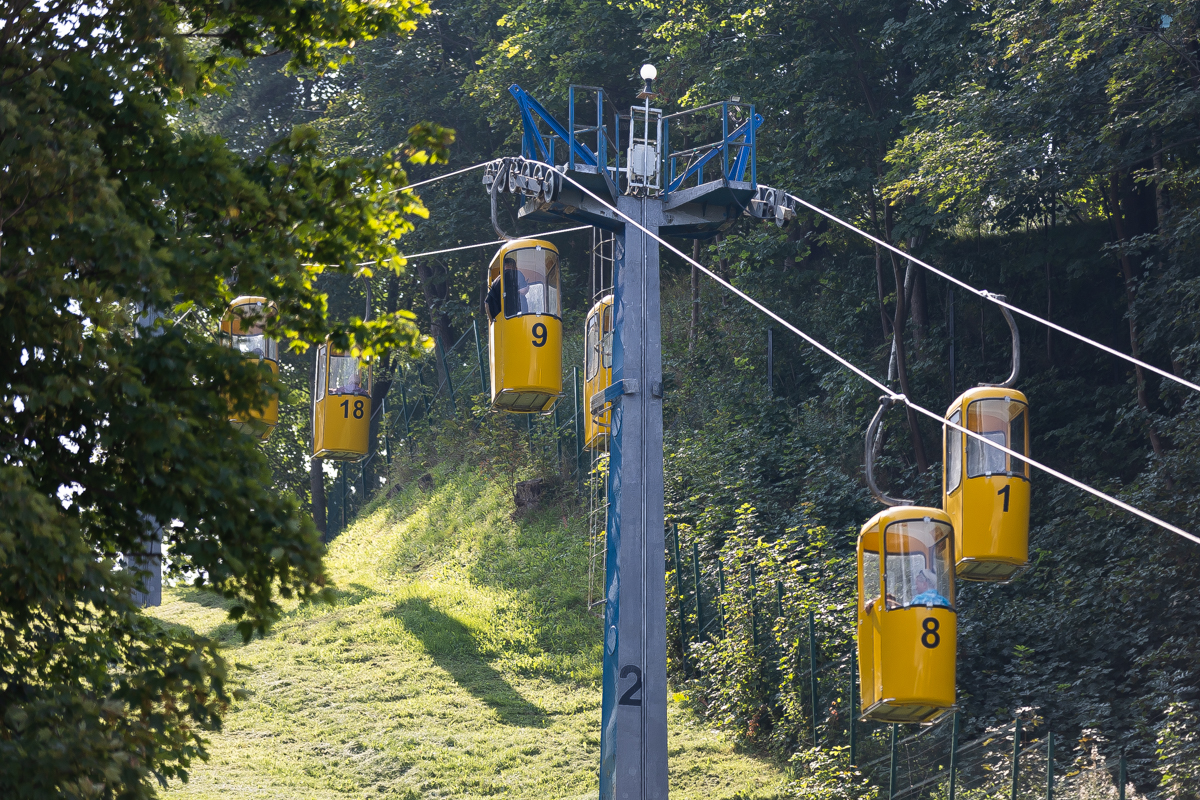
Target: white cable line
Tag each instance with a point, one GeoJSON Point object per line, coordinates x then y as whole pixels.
{"type": "Point", "coordinates": [989, 296]}
{"type": "Point", "coordinates": [469, 246]}
{"type": "Point", "coordinates": [895, 397]}
{"type": "Point", "coordinates": [488, 244]}
{"type": "Point", "coordinates": [440, 177]}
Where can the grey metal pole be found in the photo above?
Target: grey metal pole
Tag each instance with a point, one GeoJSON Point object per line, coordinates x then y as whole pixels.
{"type": "Point", "coordinates": [483, 374]}
{"type": "Point", "coordinates": [854, 708]}
{"type": "Point", "coordinates": [953, 754]}
{"type": "Point", "coordinates": [950, 311]}
{"type": "Point", "coordinates": [558, 435]}
{"type": "Point", "coordinates": [1016, 756]}
{"type": "Point", "coordinates": [1121, 778]}
{"type": "Point", "coordinates": [721, 589]}
{"type": "Point", "coordinates": [699, 599]}
{"type": "Point", "coordinates": [446, 369]}
{"type": "Point", "coordinates": [1049, 766]}
{"type": "Point", "coordinates": [812, 671]}
{"type": "Point", "coordinates": [387, 441]}
{"type": "Point", "coordinates": [892, 768]}
{"type": "Point", "coordinates": [753, 610]}
{"type": "Point", "coordinates": [679, 590]}
{"type": "Point", "coordinates": [342, 475]}
{"type": "Point", "coordinates": [770, 362]}
{"type": "Point", "coordinates": [578, 428]}
{"type": "Point", "coordinates": [633, 729]}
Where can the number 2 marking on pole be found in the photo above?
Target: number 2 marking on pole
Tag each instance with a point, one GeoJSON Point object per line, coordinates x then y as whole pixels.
{"type": "Point", "coordinates": [539, 333]}
{"type": "Point", "coordinates": [628, 698]}
{"type": "Point", "coordinates": [1004, 492]}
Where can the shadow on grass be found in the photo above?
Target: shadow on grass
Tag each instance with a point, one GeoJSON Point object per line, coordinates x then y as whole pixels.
{"type": "Point", "coordinates": [452, 647]}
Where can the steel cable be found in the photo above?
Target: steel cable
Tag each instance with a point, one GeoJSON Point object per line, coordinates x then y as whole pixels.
{"type": "Point", "coordinates": [986, 295]}
{"type": "Point", "coordinates": [492, 243]}
{"type": "Point", "coordinates": [877, 384]}
{"type": "Point", "coordinates": [441, 177]}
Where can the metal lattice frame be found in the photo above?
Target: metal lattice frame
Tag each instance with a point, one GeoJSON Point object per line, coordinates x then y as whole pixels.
{"type": "Point", "coordinates": [601, 276]}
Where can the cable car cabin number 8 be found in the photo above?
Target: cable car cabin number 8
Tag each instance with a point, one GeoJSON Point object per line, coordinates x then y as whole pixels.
{"type": "Point", "coordinates": [525, 327]}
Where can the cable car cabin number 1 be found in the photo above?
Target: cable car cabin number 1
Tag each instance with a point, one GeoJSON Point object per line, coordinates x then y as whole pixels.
{"type": "Point", "coordinates": [984, 490]}
{"type": "Point", "coordinates": [341, 406]}
{"type": "Point", "coordinates": [525, 327]}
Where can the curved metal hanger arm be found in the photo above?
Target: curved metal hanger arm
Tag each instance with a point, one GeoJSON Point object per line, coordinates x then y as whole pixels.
{"type": "Point", "coordinates": [1016, 346]}
{"type": "Point", "coordinates": [874, 444]}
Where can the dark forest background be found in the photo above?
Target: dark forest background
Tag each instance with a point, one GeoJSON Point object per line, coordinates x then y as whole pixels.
{"type": "Point", "coordinates": [1048, 151]}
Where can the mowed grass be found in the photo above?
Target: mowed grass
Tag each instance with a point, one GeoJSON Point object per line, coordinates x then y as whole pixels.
{"type": "Point", "coordinates": [459, 661]}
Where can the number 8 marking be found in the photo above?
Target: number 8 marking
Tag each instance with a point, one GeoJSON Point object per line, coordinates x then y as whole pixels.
{"type": "Point", "coordinates": [930, 624]}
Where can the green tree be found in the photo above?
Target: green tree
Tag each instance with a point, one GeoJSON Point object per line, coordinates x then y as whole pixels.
{"type": "Point", "coordinates": [113, 422]}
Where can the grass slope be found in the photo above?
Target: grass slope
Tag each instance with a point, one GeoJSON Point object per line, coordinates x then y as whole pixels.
{"type": "Point", "coordinates": [458, 661]}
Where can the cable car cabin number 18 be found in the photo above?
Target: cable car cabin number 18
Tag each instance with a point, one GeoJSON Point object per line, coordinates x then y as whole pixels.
{"type": "Point", "coordinates": [525, 327]}
{"type": "Point", "coordinates": [341, 406]}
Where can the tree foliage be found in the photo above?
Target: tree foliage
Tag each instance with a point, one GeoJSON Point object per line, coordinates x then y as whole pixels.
{"type": "Point", "coordinates": [122, 239]}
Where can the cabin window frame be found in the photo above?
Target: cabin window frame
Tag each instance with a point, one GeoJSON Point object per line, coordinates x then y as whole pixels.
{"type": "Point", "coordinates": [944, 576]}
{"type": "Point", "coordinates": [552, 293]}
{"type": "Point", "coordinates": [976, 452]}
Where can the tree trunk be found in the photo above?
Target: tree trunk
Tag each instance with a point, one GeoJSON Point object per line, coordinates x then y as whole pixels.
{"type": "Point", "coordinates": [316, 475]}
{"type": "Point", "coordinates": [1049, 283]}
{"type": "Point", "coordinates": [1162, 201]}
{"type": "Point", "coordinates": [898, 338]}
{"type": "Point", "coordinates": [694, 326]}
{"type": "Point", "coordinates": [920, 300]}
{"type": "Point", "coordinates": [383, 382]}
{"type": "Point", "coordinates": [1130, 296]}
{"type": "Point", "coordinates": [884, 322]}
{"type": "Point", "coordinates": [436, 294]}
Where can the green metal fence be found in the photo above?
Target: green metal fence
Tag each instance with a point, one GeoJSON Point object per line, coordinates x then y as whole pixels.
{"type": "Point", "coordinates": [1019, 760]}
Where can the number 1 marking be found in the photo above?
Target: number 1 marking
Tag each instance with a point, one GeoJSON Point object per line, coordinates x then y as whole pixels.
{"type": "Point", "coordinates": [1004, 492]}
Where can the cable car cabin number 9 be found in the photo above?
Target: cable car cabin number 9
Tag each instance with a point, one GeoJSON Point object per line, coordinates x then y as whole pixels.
{"type": "Point", "coordinates": [525, 327]}
{"type": "Point", "coordinates": [341, 406]}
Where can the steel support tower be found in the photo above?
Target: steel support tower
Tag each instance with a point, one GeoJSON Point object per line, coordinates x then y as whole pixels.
{"type": "Point", "coordinates": [575, 173]}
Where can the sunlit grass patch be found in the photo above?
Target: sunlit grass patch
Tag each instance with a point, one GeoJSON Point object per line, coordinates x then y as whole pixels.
{"type": "Point", "coordinates": [458, 659]}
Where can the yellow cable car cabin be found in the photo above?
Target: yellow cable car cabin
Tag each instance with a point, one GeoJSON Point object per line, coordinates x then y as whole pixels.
{"type": "Point", "coordinates": [525, 327]}
{"type": "Point", "coordinates": [984, 490]}
{"type": "Point", "coordinates": [341, 406]}
{"type": "Point", "coordinates": [907, 626]}
{"type": "Point", "coordinates": [597, 371]}
{"type": "Point", "coordinates": [242, 328]}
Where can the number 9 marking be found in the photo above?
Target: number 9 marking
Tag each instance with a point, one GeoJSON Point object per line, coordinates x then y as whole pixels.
{"type": "Point", "coordinates": [539, 333]}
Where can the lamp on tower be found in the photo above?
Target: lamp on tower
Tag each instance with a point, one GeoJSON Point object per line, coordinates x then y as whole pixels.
{"type": "Point", "coordinates": [648, 73]}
